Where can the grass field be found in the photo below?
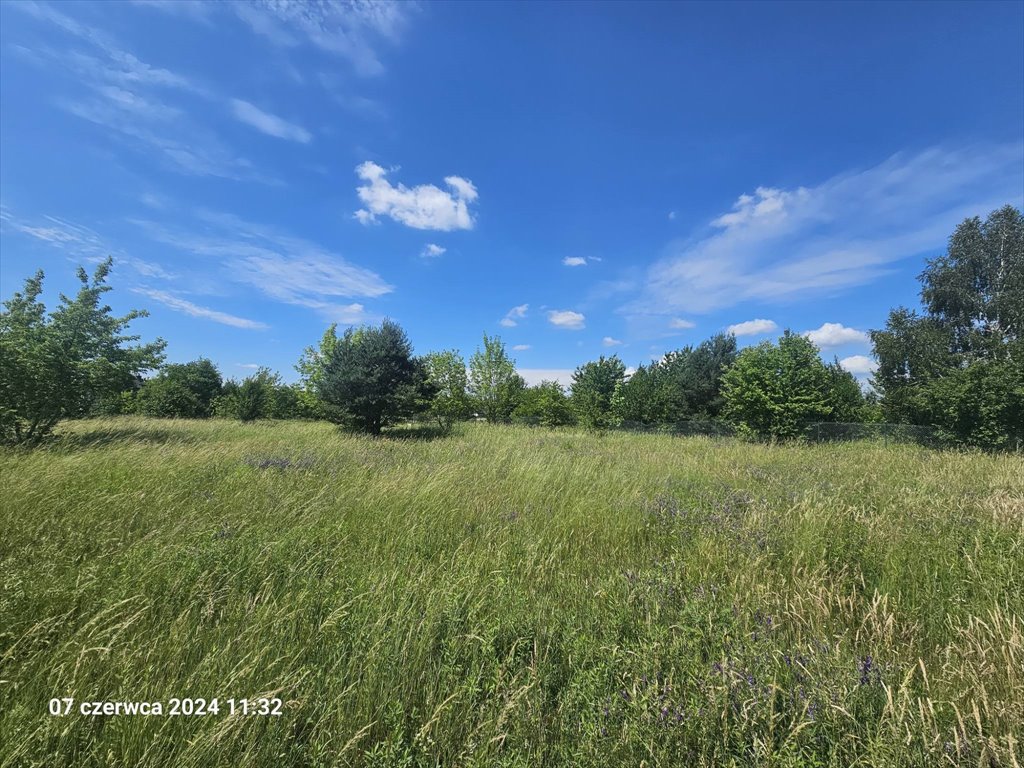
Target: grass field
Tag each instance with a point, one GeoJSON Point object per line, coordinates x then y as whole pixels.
{"type": "Point", "coordinates": [508, 597]}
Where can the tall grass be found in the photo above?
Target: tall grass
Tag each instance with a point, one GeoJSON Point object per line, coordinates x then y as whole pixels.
{"type": "Point", "coordinates": [509, 597]}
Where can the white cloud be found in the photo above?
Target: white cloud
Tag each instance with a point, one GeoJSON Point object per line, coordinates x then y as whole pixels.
{"type": "Point", "coordinates": [521, 347]}
{"type": "Point", "coordinates": [608, 341]}
{"type": "Point", "coordinates": [351, 30]}
{"type": "Point", "coordinates": [777, 245]}
{"type": "Point", "coordinates": [250, 366]}
{"type": "Point", "coordinates": [678, 324]}
{"type": "Point", "coordinates": [671, 215]}
{"type": "Point", "coordinates": [82, 242]}
{"type": "Point", "coordinates": [574, 261]}
{"type": "Point", "coordinates": [127, 97]}
{"type": "Point", "coordinates": [197, 10]}
{"type": "Point", "coordinates": [752, 328]}
{"type": "Point", "coordinates": [858, 365]}
{"type": "Point", "coordinates": [766, 204]}
{"type": "Point", "coordinates": [285, 268]}
{"type": "Point", "coordinates": [187, 307]}
{"type": "Point", "coordinates": [835, 335]}
{"type": "Point", "coordinates": [511, 318]}
{"type": "Point", "coordinates": [432, 250]}
{"type": "Point", "coordinates": [422, 207]}
{"type": "Point", "coordinates": [272, 125]}
{"type": "Point", "coordinates": [565, 318]}
{"type": "Point", "coordinates": [534, 376]}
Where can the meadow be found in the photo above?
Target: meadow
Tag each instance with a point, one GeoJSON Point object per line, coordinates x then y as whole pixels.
{"type": "Point", "coordinates": [508, 596]}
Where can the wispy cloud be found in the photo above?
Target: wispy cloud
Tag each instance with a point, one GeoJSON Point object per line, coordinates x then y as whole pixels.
{"type": "Point", "coordinates": [752, 328]}
{"type": "Point", "coordinates": [835, 335]}
{"type": "Point", "coordinates": [422, 207]}
{"type": "Point", "coordinates": [285, 268]}
{"type": "Point", "coordinates": [608, 341]}
{"type": "Point", "coordinates": [514, 315]}
{"type": "Point", "coordinates": [198, 154]}
{"type": "Point", "coordinates": [350, 30]}
{"type": "Point", "coordinates": [128, 98]}
{"type": "Point", "coordinates": [272, 125]}
{"type": "Point", "coordinates": [567, 319]}
{"type": "Point", "coordinates": [844, 232]}
{"type": "Point", "coordinates": [521, 347]}
{"type": "Point", "coordinates": [196, 10]}
{"type": "Point", "coordinates": [432, 251]}
{"type": "Point", "coordinates": [187, 307]}
{"type": "Point", "coordinates": [80, 242]}
{"type": "Point", "coordinates": [679, 324]}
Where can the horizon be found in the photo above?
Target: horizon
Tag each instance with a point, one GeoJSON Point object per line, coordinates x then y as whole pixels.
{"type": "Point", "coordinates": [580, 180]}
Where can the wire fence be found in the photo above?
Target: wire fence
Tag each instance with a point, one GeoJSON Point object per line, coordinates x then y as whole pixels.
{"type": "Point", "coordinates": [813, 432]}
{"type": "Point", "coordinates": [841, 432]}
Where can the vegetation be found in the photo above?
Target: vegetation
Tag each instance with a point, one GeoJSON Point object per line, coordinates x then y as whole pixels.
{"type": "Point", "coordinates": [545, 404]}
{"type": "Point", "coordinates": [957, 369]}
{"type": "Point", "coordinates": [595, 387]}
{"type": "Point", "coordinates": [260, 396]}
{"type": "Point", "coordinates": [493, 382]}
{"type": "Point", "coordinates": [773, 390]}
{"type": "Point", "coordinates": [64, 364]}
{"type": "Point", "coordinates": [372, 378]}
{"type": "Point", "coordinates": [508, 596]}
{"type": "Point", "coordinates": [960, 365]}
{"type": "Point", "coordinates": [446, 374]}
{"type": "Point", "coordinates": [182, 390]}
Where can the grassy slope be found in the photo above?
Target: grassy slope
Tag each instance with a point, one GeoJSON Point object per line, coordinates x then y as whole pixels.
{"type": "Point", "coordinates": [509, 597]}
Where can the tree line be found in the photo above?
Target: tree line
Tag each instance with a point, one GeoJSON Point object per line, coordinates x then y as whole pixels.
{"type": "Point", "coordinates": [957, 365]}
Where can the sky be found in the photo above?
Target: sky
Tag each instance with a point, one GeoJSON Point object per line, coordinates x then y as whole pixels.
{"type": "Point", "coordinates": [581, 179]}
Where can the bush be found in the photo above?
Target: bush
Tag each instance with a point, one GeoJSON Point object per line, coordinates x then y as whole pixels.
{"type": "Point", "coordinates": [545, 404]}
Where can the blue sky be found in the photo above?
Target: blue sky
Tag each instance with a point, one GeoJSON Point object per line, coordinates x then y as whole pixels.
{"type": "Point", "coordinates": [582, 179]}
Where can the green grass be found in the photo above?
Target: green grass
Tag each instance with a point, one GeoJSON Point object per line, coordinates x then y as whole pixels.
{"type": "Point", "coordinates": [509, 597]}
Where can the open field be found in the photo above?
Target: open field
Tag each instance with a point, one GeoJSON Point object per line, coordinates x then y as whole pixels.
{"type": "Point", "coordinates": [509, 596]}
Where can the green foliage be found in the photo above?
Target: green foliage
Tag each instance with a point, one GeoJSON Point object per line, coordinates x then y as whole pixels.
{"type": "Point", "coordinates": [684, 384]}
{"type": "Point", "coordinates": [957, 366]}
{"type": "Point", "coordinates": [846, 396]}
{"type": "Point", "coordinates": [181, 391]}
{"type": "Point", "coordinates": [65, 364]}
{"type": "Point", "coordinates": [494, 385]}
{"type": "Point", "coordinates": [979, 406]}
{"type": "Point", "coordinates": [446, 374]}
{"type": "Point", "coordinates": [372, 378]}
{"type": "Point", "coordinates": [311, 367]}
{"type": "Point", "coordinates": [545, 404]}
{"type": "Point", "coordinates": [691, 378]}
{"type": "Point", "coordinates": [594, 387]}
{"type": "Point", "coordinates": [260, 396]}
{"type": "Point", "coordinates": [643, 399]}
{"type": "Point", "coordinates": [773, 390]}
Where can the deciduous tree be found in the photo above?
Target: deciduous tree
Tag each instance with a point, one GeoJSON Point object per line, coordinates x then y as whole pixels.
{"type": "Point", "coordinates": [61, 365]}
{"type": "Point", "coordinates": [493, 382]}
